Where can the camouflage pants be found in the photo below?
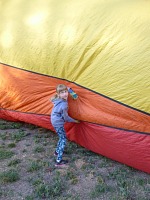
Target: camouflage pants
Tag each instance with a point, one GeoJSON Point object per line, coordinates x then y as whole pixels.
{"type": "Point", "coordinates": [61, 142]}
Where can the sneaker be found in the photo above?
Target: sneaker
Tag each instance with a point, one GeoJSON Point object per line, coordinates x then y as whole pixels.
{"type": "Point", "coordinates": [61, 163]}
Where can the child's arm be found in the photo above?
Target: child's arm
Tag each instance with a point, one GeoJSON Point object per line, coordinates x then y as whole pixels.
{"type": "Point", "coordinates": [67, 118]}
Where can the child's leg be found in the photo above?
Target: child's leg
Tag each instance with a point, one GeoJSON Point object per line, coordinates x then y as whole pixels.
{"type": "Point", "coordinates": [61, 143]}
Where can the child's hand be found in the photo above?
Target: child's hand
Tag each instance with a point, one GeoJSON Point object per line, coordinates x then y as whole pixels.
{"type": "Point", "coordinates": [77, 121]}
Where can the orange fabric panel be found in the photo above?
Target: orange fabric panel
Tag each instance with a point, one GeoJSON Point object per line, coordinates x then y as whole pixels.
{"type": "Point", "coordinates": [95, 108]}
{"type": "Point", "coordinates": [30, 93]}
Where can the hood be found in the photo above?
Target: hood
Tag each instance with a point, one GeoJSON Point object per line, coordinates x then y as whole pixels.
{"type": "Point", "coordinates": [57, 101]}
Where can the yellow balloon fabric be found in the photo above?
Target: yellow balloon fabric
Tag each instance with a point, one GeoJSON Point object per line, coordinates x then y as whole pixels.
{"type": "Point", "coordinates": [103, 45]}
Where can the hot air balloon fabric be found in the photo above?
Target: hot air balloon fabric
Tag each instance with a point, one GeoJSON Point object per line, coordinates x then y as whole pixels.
{"type": "Point", "coordinates": [100, 49]}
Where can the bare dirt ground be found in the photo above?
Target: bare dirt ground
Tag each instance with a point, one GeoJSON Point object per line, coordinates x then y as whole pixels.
{"type": "Point", "coordinates": [27, 170]}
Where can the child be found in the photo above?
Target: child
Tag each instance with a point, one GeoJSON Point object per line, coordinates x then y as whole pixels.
{"type": "Point", "coordinates": [59, 116]}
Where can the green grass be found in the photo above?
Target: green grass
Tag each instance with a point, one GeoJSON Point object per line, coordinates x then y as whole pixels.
{"type": "Point", "coordinates": [18, 135]}
{"type": "Point", "coordinates": [37, 182]}
{"type": "Point", "coordinates": [9, 176]}
{"type": "Point", "coordinates": [34, 166]}
{"type": "Point", "coordinates": [52, 189]}
{"type": "Point", "coordinates": [4, 135]}
{"type": "Point", "coordinates": [15, 135]}
{"type": "Point", "coordinates": [6, 125]}
{"type": "Point", "coordinates": [5, 154]}
{"type": "Point", "coordinates": [29, 197]}
{"type": "Point", "coordinates": [4, 193]}
{"type": "Point", "coordinates": [98, 190]}
{"type": "Point", "coordinates": [11, 145]}
{"type": "Point", "coordinates": [39, 149]}
{"type": "Point", "coordinates": [14, 162]}
{"type": "Point", "coordinates": [71, 176]}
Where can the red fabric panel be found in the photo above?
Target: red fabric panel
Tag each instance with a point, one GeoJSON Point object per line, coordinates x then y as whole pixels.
{"type": "Point", "coordinates": [129, 148]}
{"type": "Point", "coordinates": [39, 120]}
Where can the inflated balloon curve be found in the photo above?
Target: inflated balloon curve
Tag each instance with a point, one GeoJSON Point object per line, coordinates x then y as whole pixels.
{"type": "Point", "coordinates": [100, 49]}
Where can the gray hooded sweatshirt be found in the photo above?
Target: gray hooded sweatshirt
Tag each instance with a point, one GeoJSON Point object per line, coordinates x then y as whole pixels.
{"type": "Point", "coordinates": [59, 113]}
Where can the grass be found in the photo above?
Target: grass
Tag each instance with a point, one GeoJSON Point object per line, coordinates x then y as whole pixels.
{"type": "Point", "coordinates": [53, 189]}
{"type": "Point", "coordinates": [15, 136]}
{"type": "Point", "coordinates": [34, 166]}
{"type": "Point", "coordinates": [27, 170]}
{"type": "Point", "coordinates": [14, 162]}
{"type": "Point", "coordinates": [11, 145]}
{"type": "Point", "coordinates": [39, 149]}
{"type": "Point", "coordinates": [13, 125]}
{"type": "Point", "coordinates": [9, 176]}
{"type": "Point", "coordinates": [5, 154]}
{"type": "Point", "coordinates": [98, 190]}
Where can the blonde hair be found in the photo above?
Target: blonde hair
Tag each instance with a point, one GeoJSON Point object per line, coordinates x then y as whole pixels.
{"type": "Point", "coordinates": [59, 88]}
